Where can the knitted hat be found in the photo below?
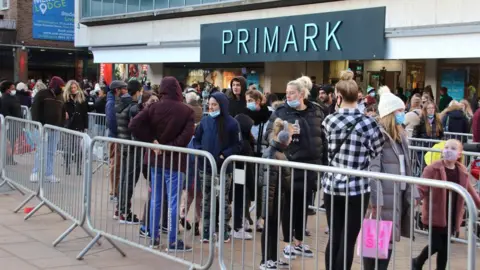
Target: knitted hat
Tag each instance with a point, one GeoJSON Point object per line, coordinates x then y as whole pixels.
{"type": "Point", "coordinates": [22, 87]}
{"type": "Point", "coordinates": [388, 102]}
{"type": "Point", "coordinates": [56, 83]}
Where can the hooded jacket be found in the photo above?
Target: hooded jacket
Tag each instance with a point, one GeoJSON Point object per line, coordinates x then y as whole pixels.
{"type": "Point", "coordinates": [48, 108]}
{"type": "Point", "coordinates": [10, 106]}
{"type": "Point", "coordinates": [456, 121]}
{"type": "Point", "coordinates": [238, 105]}
{"type": "Point", "coordinates": [169, 121]}
{"type": "Point", "coordinates": [207, 137]}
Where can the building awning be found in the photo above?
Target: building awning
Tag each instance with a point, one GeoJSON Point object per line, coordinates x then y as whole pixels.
{"type": "Point", "coordinates": [146, 54]}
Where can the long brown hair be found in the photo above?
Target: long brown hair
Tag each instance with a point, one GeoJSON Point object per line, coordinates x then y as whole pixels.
{"type": "Point", "coordinates": [438, 122]}
{"type": "Point", "coordinates": [390, 125]}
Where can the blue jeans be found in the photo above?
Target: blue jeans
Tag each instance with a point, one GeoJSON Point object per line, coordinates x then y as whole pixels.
{"type": "Point", "coordinates": [52, 142]}
{"type": "Point", "coordinates": [173, 183]}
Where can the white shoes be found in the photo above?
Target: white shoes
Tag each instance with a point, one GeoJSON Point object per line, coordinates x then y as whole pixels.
{"type": "Point", "coordinates": [35, 177]}
{"type": "Point", "coordinates": [242, 234]}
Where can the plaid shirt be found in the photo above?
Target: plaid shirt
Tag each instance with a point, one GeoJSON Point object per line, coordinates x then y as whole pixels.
{"type": "Point", "coordinates": [365, 143]}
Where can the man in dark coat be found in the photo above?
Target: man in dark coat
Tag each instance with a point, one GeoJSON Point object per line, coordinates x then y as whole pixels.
{"type": "Point", "coordinates": [237, 102]}
{"type": "Point", "coordinates": [10, 107]}
{"type": "Point", "coordinates": [167, 122]}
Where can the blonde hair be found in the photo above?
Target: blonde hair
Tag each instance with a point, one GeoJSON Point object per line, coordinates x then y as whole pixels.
{"type": "Point", "coordinates": [453, 106]}
{"type": "Point", "coordinates": [40, 86]}
{"type": "Point", "coordinates": [300, 87]}
{"type": "Point", "coordinates": [191, 97]}
{"type": "Point", "coordinates": [67, 92]}
{"type": "Point", "coordinates": [307, 83]}
{"type": "Point", "coordinates": [468, 109]}
{"type": "Point", "coordinates": [279, 125]}
{"type": "Point", "coordinates": [390, 125]}
{"type": "Point", "coordinates": [415, 103]}
{"type": "Point", "coordinates": [347, 87]}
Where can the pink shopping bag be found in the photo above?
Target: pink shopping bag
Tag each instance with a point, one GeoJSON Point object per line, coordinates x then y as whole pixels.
{"type": "Point", "coordinates": [368, 247]}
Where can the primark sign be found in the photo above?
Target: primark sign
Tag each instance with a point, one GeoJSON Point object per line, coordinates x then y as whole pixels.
{"type": "Point", "coordinates": [344, 35]}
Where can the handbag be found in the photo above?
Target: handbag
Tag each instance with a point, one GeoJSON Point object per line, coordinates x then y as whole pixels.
{"type": "Point", "coordinates": [373, 241]}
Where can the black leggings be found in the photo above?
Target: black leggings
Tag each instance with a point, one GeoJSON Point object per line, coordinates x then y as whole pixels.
{"type": "Point", "coordinates": [298, 217]}
{"type": "Point", "coordinates": [440, 245]}
{"type": "Point", "coordinates": [270, 231]}
{"type": "Point", "coordinates": [338, 236]}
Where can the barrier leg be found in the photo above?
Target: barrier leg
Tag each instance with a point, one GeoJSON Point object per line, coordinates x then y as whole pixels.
{"type": "Point", "coordinates": [90, 234]}
{"type": "Point", "coordinates": [29, 215]}
{"type": "Point", "coordinates": [116, 247]}
{"type": "Point", "coordinates": [65, 234]}
{"type": "Point", "coordinates": [12, 186]}
{"type": "Point", "coordinates": [24, 202]}
{"type": "Point", "coordinates": [95, 240]}
{"type": "Point", "coordinates": [53, 210]}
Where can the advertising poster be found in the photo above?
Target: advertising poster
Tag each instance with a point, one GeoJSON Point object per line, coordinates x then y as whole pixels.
{"type": "Point", "coordinates": [454, 81]}
{"type": "Point", "coordinates": [53, 20]}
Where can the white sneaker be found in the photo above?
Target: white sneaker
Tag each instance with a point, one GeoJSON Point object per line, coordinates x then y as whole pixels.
{"type": "Point", "coordinates": [282, 265]}
{"type": "Point", "coordinates": [303, 250]}
{"type": "Point", "coordinates": [269, 265]}
{"type": "Point", "coordinates": [246, 226]}
{"type": "Point", "coordinates": [259, 225]}
{"type": "Point", "coordinates": [242, 234]}
{"type": "Point", "coordinates": [289, 252]}
{"type": "Point", "coordinates": [52, 179]}
{"type": "Point", "coordinates": [34, 177]}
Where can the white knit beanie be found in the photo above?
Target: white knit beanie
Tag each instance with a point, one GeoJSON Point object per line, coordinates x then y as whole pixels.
{"type": "Point", "coordinates": [388, 102]}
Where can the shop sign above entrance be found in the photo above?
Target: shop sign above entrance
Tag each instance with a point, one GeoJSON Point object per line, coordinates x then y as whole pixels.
{"type": "Point", "coordinates": [344, 35]}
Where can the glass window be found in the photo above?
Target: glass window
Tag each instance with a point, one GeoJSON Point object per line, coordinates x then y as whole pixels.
{"type": "Point", "coordinates": [96, 7]}
{"type": "Point", "coordinates": [146, 5]}
{"type": "Point", "coordinates": [107, 7]}
{"type": "Point", "coordinates": [120, 6]}
{"type": "Point", "coordinates": [193, 2]}
{"type": "Point", "coordinates": [133, 5]}
{"type": "Point", "coordinates": [161, 4]}
{"type": "Point", "coordinates": [209, 1]}
{"type": "Point", "coordinates": [86, 8]}
{"type": "Point", "coordinates": [176, 3]}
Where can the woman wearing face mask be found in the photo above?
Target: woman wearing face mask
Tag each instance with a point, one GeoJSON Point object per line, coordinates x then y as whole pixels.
{"type": "Point", "coordinates": [448, 169]}
{"type": "Point", "coordinates": [217, 134]}
{"type": "Point", "coordinates": [309, 146]}
{"type": "Point", "coordinates": [353, 140]}
{"type": "Point", "coordinates": [393, 159]}
{"type": "Point", "coordinates": [76, 108]}
{"type": "Point", "coordinates": [430, 126]}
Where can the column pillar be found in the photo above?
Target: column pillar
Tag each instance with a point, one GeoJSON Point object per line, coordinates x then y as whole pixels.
{"type": "Point", "coordinates": [20, 65]}
{"type": "Point", "coordinates": [155, 73]}
{"type": "Point", "coordinates": [431, 68]}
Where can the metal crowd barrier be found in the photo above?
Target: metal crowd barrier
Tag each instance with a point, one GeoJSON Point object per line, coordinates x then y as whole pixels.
{"type": "Point", "coordinates": [114, 203]}
{"type": "Point", "coordinates": [62, 185]}
{"type": "Point", "coordinates": [244, 253]}
{"type": "Point", "coordinates": [463, 137]}
{"type": "Point", "coordinates": [26, 113]}
{"type": "Point", "coordinates": [97, 126]}
{"type": "Point", "coordinates": [419, 157]}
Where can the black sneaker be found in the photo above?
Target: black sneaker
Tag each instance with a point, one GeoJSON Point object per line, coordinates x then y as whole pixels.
{"type": "Point", "coordinates": [155, 244]}
{"type": "Point", "coordinates": [163, 230]}
{"type": "Point", "coordinates": [129, 219]}
{"type": "Point", "coordinates": [303, 250]}
{"type": "Point", "coordinates": [185, 223]}
{"type": "Point", "coordinates": [206, 235]}
{"type": "Point", "coordinates": [282, 265]}
{"type": "Point", "coordinates": [178, 247]}
{"type": "Point", "coordinates": [269, 265]}
{"type": "Point", "coordinates": [144, 233]}
{"type": "Point", "coordinates": [197, 230]}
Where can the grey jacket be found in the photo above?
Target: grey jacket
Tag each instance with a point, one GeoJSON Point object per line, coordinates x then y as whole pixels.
{"type": "Point", "coordinates": [123, 107]}
{"type": "Point", "coordinates": [384, 191]}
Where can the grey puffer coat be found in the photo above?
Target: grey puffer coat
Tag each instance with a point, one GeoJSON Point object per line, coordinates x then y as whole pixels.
{"type": "Point", "coordinates": [384, 191]}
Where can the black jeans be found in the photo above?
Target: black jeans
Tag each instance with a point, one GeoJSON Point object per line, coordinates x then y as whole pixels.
{"type": "Point", "coordinates": [72, 150]}
{"type": "Point", "coordinates": [129, 177]}
{"type": "Point", "coordinates": [298, 217]}
{"type": "Point", "coordinates": [240, 211]}
{"type": "Point", "coordinates": [269, 243]}
{"type": "Point", "coordinates": [439, 244]}
{"type": "Point", "coordinates": [369, 263]}
{"type": "Point", "coordinates": [338, 236]}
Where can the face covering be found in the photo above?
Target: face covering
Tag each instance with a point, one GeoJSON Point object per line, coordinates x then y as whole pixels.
{"type": "Point", "coordinates": [450, 155]}
{"type": "Point", "coordinates": [430, 116]}
{"type": "Point", "coordinates": [214, 114]}
{"type": "Point", "coordinates": [252, 106]}
{"type": "Point", "coordinates": [400, 118]}
{"type": "Point", "coordinates": [372, 94]}
{"type": "Point", "coordinates": [294, 103]}
{"type": "Point", "coordinates": [13, 92]}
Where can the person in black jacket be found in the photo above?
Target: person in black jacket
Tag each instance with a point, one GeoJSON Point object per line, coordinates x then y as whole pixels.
{"type": "Point", "coordinates": [10, 107]}
{"type": "Point", "coordinates": [236, 97]}
{"type": "Point", "coordinates": [76, 108]}
{"type": "Point", "coordinates": [309, 145]}
{"type": "Point", "coordinates": [99, 107]}
{"type": "Point", "coordinates": [454, 119]}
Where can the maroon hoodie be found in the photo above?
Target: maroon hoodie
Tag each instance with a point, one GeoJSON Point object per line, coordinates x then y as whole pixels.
{"type": "Point", "coordinates": [169, 121]}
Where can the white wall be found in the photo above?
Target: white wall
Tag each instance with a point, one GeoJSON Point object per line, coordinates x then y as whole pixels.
{"type": "Point", "coordinates": [400, 13]}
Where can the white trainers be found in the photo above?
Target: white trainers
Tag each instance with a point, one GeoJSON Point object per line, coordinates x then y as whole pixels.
{"type": "Point", "coordinates": [52, 179]}
{"type": "Point", "coordinates": [259, 225]}
{"type": "Point", "coordinates": [268, 265]}
{"type": "Point", "coordinates": [34, 177]}
{"type": "Point", "coordinates": [289, 252]}
{"type": "Point", "coordinates": [242, 234]}
{"type": "Point", "coordinates": [246, 226]}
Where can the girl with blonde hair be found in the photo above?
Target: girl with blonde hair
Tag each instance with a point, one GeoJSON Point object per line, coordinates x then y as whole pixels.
{"type": "Point", "coordinates": [454, 118]}
{"type": "Point", "coordinates": [76, 109]}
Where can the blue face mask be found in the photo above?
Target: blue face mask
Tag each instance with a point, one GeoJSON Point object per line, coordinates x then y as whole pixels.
{"type": "Point", "coordinates": [252, 106]}
{"type": "Point", "coordinates": [372, 94]}
{"type": "Point", "coordinates": [214, 114]}
{"type": "Point", "coordinates": [400, 118]}
{"type": "Point", "coordinates": [294, 103]}
{"type": "Point", "coordinates": [430, 116]}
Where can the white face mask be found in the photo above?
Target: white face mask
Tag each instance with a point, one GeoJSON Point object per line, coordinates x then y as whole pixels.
{"type": "Point", "coordinates": [13, 92]}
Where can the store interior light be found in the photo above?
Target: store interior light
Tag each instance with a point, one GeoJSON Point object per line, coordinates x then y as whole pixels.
{"type": "Point", "coordinates": [42, 50]}
{"type": "Point", "coordinates": [70, 53]}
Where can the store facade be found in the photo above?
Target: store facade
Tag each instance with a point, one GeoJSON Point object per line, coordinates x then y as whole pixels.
{"type": "Point", "coordinates": [281, 43]}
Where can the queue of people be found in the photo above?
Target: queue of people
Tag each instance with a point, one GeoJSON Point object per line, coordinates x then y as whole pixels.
{"type": "Point", "coordinates": [340, 129]}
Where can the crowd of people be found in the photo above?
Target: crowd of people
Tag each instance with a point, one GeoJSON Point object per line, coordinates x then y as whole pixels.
{"type": "Point", "coordinates": [337, 127]}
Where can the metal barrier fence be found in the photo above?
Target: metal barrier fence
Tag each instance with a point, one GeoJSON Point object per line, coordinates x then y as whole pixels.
{"type": "Point", "coordinates": [97, 124]}
{"type": "Point", "coordinates": [422, 156]}
{"type": "Point", "coordinates": [463, 137]}
{"type": "Point", "coordinates": [113, 202]}
{"type": "Point", "coordinates": [26, 112]}
{"type": "Point", "coordinates": [344, 225]}
{"type": "Point", "coordinates": [22, 165]}
{"type": "Point", "coordinates": [62, 185]}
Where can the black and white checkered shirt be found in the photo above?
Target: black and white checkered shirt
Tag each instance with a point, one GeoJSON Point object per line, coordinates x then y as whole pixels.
{"type": "Point", "coordinates": [364, 143]}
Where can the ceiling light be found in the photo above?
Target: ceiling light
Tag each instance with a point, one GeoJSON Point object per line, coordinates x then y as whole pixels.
{"type": "Point", "coordinates": [42, 50]}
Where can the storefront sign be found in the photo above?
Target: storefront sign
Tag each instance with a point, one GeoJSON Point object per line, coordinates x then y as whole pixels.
{"type": "Point", "coordinates": [53, 20]}
{"type": "Point", "coordinates": [454, 81]}
{"type": "Point", "coordinates": [345, 35]}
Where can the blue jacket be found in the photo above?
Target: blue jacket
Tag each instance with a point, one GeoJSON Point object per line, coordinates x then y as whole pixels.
{"type": "Point", "coordinates": [111, 115]}
{"type": "Point", "coordinates": [206, 135]}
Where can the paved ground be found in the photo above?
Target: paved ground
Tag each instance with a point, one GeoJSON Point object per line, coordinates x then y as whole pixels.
{"type": "Point", "coordinates": [26, 245]}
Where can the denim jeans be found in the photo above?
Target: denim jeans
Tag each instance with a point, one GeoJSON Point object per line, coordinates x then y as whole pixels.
{"type": "Point", "coordinates": [52, 142]}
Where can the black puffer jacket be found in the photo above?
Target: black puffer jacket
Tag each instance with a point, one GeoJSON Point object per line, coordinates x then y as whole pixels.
{"type": "Point", "coordinates": [311, 146]}
{"type": "Point", "coordinates": [11, 106]}
{"type": "Point", "coordinates": [77, 115]}
{"type": "Point", "coordinates": [123, 113]}
{"type": "Point", "coordinates": [274, 151]}
{"type": "Point", "coordinates": [456, 121]}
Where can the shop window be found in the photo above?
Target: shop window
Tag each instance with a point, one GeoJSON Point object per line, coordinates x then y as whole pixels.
{"type": "Point", "coordinates": [146, 5]}
{"type": "Point", "coordinates": [5, 4]}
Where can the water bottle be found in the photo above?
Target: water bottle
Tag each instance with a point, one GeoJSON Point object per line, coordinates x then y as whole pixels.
{"type": "Point", "coordinates": [297, 127]}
